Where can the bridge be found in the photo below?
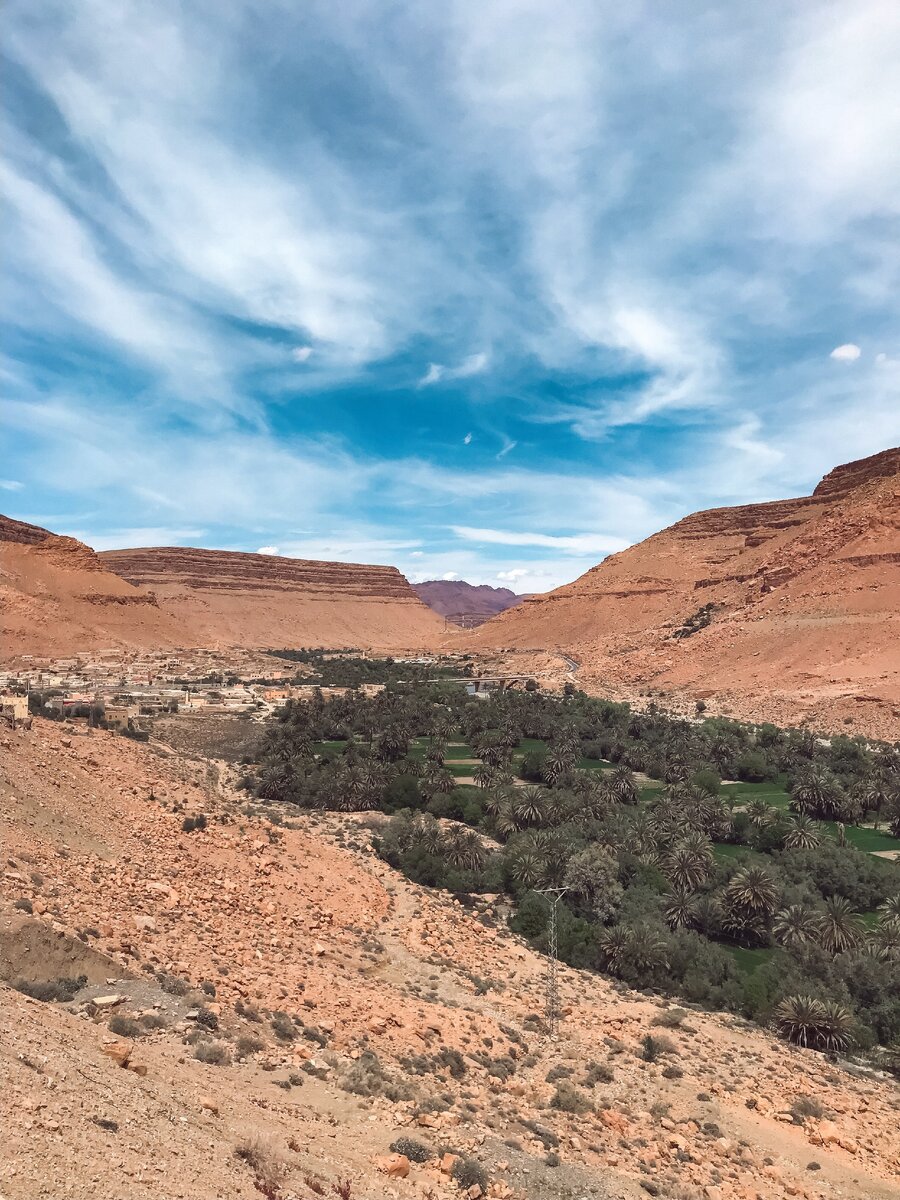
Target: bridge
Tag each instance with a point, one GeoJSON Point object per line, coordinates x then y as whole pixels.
{"type": "Point", "coordinates": [487, 683]}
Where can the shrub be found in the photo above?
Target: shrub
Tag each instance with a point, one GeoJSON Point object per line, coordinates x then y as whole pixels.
{"type": "Point", "coordinates": [597, 1073]}
{"type": "Point", "coordinates": [23, 904]}
{"type": "Point", "coordinates": [652, 1047]}
{"type": "Point", "coordinates": [207, 1018]}
{"type": "Point", "coordinates": [568, 1098]}
{"type": "Point", "coordinates": [214, 1054]}
{"type": "Point", "coordinates": [248, 1043]}
{"type": "Point", "coordinates": [283, 1027]}
{"type": "Point", "coordinates": [367, 1077]}
{"type": "Point", "coordinates": [672, 1018]}
{"type": "Point", "coordinates": [265, 1160]}
{"type": "Point", "coordinates": [467, 1172]}
{"type": "Point", "coordinates": [125, 1026]}
{"type": "Point", "coordinates": [807, 1106]}
{"type": "Point", "coordinates": [62, 990]}
{"type": "Point", "coordinates": [416, 1152]}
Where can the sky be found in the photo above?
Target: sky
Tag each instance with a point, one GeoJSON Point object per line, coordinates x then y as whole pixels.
{"type": "Point", "coordinates": [485, 289]}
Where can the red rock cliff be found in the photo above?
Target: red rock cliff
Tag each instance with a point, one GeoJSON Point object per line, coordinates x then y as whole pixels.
{"type": "Point", "coordinates": [804, 596]}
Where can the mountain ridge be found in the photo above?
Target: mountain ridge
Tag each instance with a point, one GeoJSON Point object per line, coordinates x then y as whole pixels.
{"type": "Point", "coordinates": [791, 601]}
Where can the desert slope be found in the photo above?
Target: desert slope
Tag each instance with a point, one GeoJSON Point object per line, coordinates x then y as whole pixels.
{"type": "Point", "coordinates": [804, 616]}
{"type": "Point", "coordinates": [58, 598]}
{"type": "Point", "coordinates": [301, 917]}
{"type": "Point", "coordinates": [230, 598]}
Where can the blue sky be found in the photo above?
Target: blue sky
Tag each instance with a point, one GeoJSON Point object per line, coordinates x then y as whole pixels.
{"type": "Point", "coordinates": [489, 288]}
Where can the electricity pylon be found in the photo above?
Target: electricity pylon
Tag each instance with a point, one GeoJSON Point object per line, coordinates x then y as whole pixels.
{"type": "Point", "coordinates": [554, 895]}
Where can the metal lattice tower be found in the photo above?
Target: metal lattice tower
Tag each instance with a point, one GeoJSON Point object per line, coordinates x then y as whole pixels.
{"type": "Point", "coordinates": [554, 895]}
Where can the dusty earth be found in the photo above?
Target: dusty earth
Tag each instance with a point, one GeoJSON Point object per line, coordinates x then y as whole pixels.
{"type": "Point", "coordinates": [802, 600]}
{"type": "Point", "coordinates": [402, 1014]}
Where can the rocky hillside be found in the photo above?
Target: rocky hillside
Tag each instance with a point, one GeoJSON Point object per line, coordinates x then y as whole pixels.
{"type": "Point", "coordinates": [455, 598]}
{"type": "Point", "coordinates": [772, 610]}
{"type": "Point", "coordinates": [267, 1002]}
{"type": "Point", "coordinates": [58, 598]}
{"type": "Point", "coordinates": [229, 598]}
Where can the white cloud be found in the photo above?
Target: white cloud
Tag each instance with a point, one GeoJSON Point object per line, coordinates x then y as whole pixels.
{"type": "Point", "coordinates": [302, 354]}
{"type": "Point", "coordinates": [450, 575]}
{"type": "Point", "coordinates": [272, 550]}
{"type": "Point", "coordinates": [436, 373]}
{"type": "Point", "coordinates": [467, 440]}
{"type": "Point", "coordinates": [512, 576]}
{"type": "Point", "coordinates": [846, 353]}
{"type": "Point", "coordinates": [582, 543]}
{"type": "Point", "coordinates": [11, 485]}
{"type": "Point", "coordinates": [130, 538]}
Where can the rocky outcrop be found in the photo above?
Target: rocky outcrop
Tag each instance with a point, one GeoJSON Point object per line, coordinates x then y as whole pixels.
{"type": "Point", "coordinates": [463, 602]}
{"type": "Point", "coordinates": [231, 598]}
{"type": "Point", "coordinates": [803, 596]}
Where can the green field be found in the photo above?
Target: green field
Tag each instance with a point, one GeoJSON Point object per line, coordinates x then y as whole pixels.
{"type": "Point", "coordinates": [750, 960]}
{"type": "Point", "coordinates": [864, 839]}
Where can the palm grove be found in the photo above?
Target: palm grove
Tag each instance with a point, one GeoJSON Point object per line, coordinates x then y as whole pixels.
{"type": "Point", "coordinates": [673, 882]}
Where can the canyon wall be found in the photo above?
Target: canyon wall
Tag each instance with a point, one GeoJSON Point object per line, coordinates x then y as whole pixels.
{"type": "Point", "coordinates": [230, 598]}
{"type": "Point", "coordinates": [787, 609]}
{"type": "Point", "coordinates": [57, 598]}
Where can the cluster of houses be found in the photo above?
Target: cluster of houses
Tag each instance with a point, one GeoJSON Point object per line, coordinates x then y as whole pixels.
{"type": "Point", "coordinates": [127, 691]}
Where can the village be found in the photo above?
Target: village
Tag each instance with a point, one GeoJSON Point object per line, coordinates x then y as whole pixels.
{"type": "Point", "coordinates": [124, 690]}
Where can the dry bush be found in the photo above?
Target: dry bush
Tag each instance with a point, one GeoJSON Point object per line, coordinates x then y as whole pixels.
{"type": "Point", "coordinates": [262, 1155]}
{"type": "Point", "coordinates": [212, 1053]}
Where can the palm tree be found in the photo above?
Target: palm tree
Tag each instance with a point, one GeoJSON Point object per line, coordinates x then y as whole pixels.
{"type": "Point", "coordinates": [622, 786]}
{"type": "Point", "coordinates": [796, 925]}
{"type": "Point", "coordinates": [425, 831]}
{"type": "Point", "coordinates": [559, 762]}
{"type": "Point", "coordinates": [841, 928]}
{"type": "Point", "coordinates": [464, 849]}
{"type": "Point", "coordinates": [816, 793]}
{"type": "Point", "coordinates": [686, 868]}
{"type": "Point", "coordinates": [484, 775]}
{"type": "Point", "coordinates": [528, 806]}
{"type": "Point", "coordinates": [749, 902]}
{"type": "Point", "coordinates": [680, 911]}
{"type": "Point", "coordinates": [646, 950]}
{"type": "Point", "coordinates": [613, 945]}
{"type": "Point", "coordinates": [820, 1025]}
{"type": "Point", "coordinates": [802, 833]}
{"type": "Point", "coordinates": [760, 813]}
{"type": "Point", "coordinates": [528, 866]}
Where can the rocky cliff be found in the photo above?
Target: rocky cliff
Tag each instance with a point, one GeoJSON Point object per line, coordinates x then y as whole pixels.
{"type": "Point", "coordinates": [456, 599]}
{"type": "Point", "coordinates": [230, 598]}
{"type": "Point", "coordinates": [58, 598]}
{"type": "Point", "coordinates": [786, 609]}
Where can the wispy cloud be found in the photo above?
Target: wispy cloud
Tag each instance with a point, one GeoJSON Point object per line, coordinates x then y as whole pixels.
{"type": "Point", "coordinates": [436, 373]}
{"type": "Point", "coordinates": [581, 543]}
{"type": "Point", "coordinates": [246, 242]}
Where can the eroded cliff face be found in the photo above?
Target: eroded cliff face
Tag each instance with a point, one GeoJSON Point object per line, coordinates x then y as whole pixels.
{"type": "Point", "coordinates": [781, 609]}
{"type": "Point", "coordinates": [58, 598]}
{"type": "Point", "coordinates": [230, 598]}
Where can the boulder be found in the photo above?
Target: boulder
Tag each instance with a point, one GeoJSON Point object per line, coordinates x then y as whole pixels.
{"type": "Point", "coordinates": [396, 1166]}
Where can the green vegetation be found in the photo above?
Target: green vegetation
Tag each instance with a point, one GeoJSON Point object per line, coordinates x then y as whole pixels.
{"type": "Point", "coordinates": [742, 895]}
{"type": "Point", "coordinates": [329, 668]}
